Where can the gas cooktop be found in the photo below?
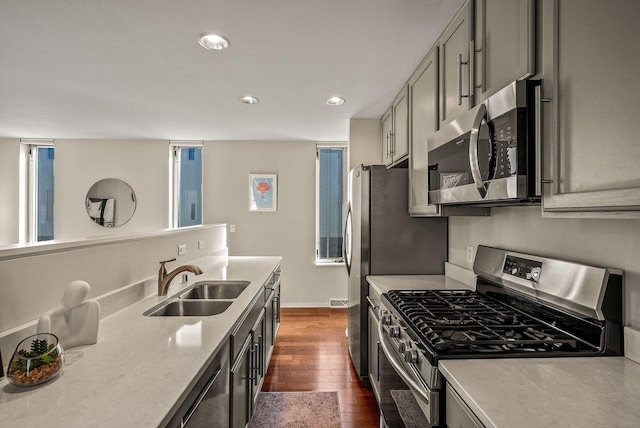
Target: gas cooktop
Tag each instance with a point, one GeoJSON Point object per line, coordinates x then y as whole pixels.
{"type": "Point", "coordinates": [468, 323]}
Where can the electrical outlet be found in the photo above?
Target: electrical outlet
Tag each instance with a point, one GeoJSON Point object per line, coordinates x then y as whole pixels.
{"type": "Point", "coordinates": [182, 249]}
{"type": "Point", "coordinates": [201, 244]}
{"type": "Point", "coordinates": [185, 277]}
{"type": "Point", "coordinates": [232, 228]}
{"type": "Point", "coordinates": [470, 253]}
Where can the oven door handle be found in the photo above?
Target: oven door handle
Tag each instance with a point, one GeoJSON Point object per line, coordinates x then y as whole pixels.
{"type": "Point", "coordinates": [473, 150]}
{"type": "Point", "coordinates": [411, 383]}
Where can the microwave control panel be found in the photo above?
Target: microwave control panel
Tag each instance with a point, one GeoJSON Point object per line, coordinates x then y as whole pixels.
{"type": "Point", "coordinates": [505, 145]}
{"type": "Point", "coordinates": [522, 268]}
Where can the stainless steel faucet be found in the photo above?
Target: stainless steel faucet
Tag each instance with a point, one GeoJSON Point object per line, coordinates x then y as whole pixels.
{"type": "Point", "coordinates": [165, 279]}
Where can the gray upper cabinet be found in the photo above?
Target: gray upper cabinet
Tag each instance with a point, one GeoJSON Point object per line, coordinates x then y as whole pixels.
{"type": "Point", "coordinates": [386, 127]}
{"type": "Point", "coordinates": [401, 126]}
{"type": "Point", "coordinates": [589, 70]}
{"type": "Point", "coordinates": [395, 130]}
{"type": "Point", "coordinates": [504, 44]}
{"type": "Point", "coordinates": [455, 64]}
{"type": "Point", "coordinates": [423, 121]}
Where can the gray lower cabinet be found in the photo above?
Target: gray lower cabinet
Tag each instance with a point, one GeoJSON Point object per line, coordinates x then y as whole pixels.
{"type": "Point", "coordinates": [590, 85]}
{"type": "Point", "coordinates": [241, 391]}
{"type": "Point", "coordinates": [251, 346]}
{"type": "Point", "coordinates": [225, 394]}
{"type": "Point", "coordinates": [504, 44]}
{"type": "Point", "coordinates": [272, 317]}
{"type": "Point", "coordinates": [247, 363]}
{"type": "Point", "coordinates": [374, 352]}
{"type": "Point", "coordinates": [459, 415]}
{"type": "Point", "coordinates": [258, 357]}
{"type": "Point", "coordinates": [207, 405]}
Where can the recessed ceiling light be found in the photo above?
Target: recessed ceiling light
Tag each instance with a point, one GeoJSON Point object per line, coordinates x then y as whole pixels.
{"type": "Point", "coordinates": [335, 101]}
{"type": "Point", "coordinates": [213, 41]}
{"type": "Point", "coordinates": [248, 99]}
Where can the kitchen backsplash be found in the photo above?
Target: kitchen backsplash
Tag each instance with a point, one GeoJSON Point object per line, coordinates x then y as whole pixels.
{"type": "Point", "coordinates": [604, 242]}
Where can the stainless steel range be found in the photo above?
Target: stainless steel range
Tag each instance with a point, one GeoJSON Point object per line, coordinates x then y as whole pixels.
{"type": "Point", "coordinates": [523, 306]}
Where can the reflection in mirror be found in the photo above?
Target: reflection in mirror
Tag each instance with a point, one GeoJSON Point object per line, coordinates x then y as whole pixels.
{"type": "Point", "coordinates": [110, 202]}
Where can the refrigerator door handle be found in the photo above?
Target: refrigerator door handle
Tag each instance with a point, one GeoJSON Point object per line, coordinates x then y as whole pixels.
{"type": "Point", "coordinates": [346, 240]}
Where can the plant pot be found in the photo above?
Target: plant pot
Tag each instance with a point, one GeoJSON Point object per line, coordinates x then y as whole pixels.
{"type": "Point", "coordinates": [37, 359]}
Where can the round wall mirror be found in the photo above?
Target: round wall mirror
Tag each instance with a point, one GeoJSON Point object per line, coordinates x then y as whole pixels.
{"type": "Point", "coordinates": [110, 202]}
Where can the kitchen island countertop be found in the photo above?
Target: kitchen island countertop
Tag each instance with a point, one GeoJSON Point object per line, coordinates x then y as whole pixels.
{"type": "Point", "coordinates": [141, 367]}
{"type": "Point", "coordinates": [549, 392]}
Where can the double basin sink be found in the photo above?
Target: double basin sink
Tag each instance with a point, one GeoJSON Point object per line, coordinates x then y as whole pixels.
{"type": "Point", "coordinates": [201, 299]}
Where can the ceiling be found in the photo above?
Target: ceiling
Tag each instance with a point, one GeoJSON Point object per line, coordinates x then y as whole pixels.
{"type": "Point", "coordinates": [133, 69]}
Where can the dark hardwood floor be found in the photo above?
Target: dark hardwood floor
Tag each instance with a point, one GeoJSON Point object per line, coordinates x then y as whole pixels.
{"type": "Point", "coordinates": [311, 354]}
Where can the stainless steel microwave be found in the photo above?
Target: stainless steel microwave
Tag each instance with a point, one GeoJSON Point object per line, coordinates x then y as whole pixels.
{"type": "Point", "coordinates": [490, 155]}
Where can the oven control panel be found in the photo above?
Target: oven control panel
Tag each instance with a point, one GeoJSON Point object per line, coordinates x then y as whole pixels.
{"type": "Point", "coordinates": [522, 268]}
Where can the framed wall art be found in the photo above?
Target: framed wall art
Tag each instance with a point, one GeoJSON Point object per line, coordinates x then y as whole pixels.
{"type": "Point", "coordinates": [263, 192]}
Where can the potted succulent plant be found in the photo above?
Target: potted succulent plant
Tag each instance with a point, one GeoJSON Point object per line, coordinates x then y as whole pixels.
{"type": "Point", "coordinates": [37, 359]}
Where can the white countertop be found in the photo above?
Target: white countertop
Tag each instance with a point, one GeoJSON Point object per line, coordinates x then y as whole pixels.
{"type": "Point", "coordinates": [384, 283]}
{"type": "Point", "coordinates": [549, 392]}
{"type": "Point", "coordinates": [141, 366]}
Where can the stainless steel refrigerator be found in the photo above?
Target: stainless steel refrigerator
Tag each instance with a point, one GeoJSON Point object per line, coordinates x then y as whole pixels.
{"type": "Point", "coordinates": [382, 239]}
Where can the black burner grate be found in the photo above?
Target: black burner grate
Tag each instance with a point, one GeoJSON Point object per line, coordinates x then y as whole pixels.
{"type": "Point", "coordinates": [467, 322]}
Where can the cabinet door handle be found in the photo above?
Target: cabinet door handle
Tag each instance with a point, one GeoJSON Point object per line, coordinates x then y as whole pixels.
{"type": "Point", "coordinates": [253, 373]}
{"type": "Point", "coordinates": [460, 63]}
{"type": "Point", "coordinates": [257, 363]}
{"type": "Point", "coordinates": [459, 79]}
{"type": "Point", "coordinates": [472, 71]}
{"type": "Point", "coordinates": [392, 143]}
{"type": "Point", "coordinates": [538, 139]}
{"type": "Point", "coordinates": [388, 135]}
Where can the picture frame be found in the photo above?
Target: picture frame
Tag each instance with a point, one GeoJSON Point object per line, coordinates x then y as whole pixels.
{"type": "Point", "coordinates": [263, 192]}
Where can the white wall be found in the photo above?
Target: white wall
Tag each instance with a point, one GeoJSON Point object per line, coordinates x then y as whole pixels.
{"type": "Point", "coordinates": [364, 142]}
{"type": "Point", "coordinates": [289, 232]}
{"type": "Point", "coordinates": [606, 243]}
{"type": "Point", "coordinates": [30, 286]}
{"type": "Point", "coordinates": [143, 164]}
{"type": "Point", "coordinates": [9, 190]}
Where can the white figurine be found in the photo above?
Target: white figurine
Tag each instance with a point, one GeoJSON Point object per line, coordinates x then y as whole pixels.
{"type": "Point", "coordinates": [75, 321]}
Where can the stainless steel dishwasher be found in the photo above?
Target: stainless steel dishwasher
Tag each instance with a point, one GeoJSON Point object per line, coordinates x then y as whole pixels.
{"type": "Point", "coordinates": [207, 404]}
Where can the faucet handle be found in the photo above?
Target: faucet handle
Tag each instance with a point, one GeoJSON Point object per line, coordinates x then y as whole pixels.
{"type": "Point", "coordinates": [167, 261]}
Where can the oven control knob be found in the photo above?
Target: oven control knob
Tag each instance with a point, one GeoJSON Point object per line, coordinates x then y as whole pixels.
{"type": "Point", "coordinates": [411, 355]}
{"type": "Point", "coordinates": [385, 318]}
{"type": "Point", "coordinates": [403, 346]}
{"type": "Point", "coordinates": [394, 331]}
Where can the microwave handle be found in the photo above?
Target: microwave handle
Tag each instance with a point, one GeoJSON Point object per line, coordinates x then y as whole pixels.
{"type": "Point", "coordinates": [473, 150]}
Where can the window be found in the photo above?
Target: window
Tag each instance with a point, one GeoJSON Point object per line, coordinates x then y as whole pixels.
{"type": "Point", "coordinates": [41, 190]}
{"type": "Point", "coordinates": [187, 185]}
{"type": "Point", "coordinates": [331, 164]}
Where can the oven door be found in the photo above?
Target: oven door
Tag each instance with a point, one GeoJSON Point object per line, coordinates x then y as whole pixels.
{"type": "Point", "coordinates": [397, 377]}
